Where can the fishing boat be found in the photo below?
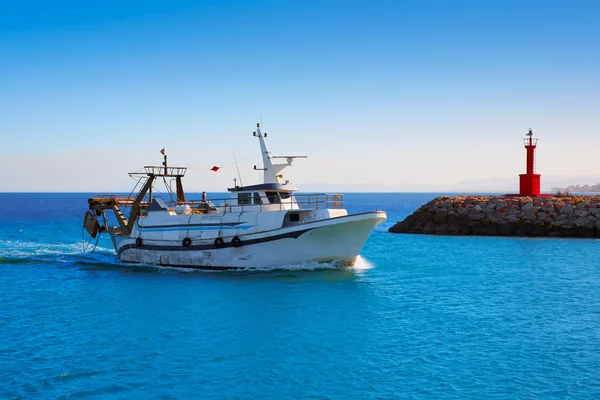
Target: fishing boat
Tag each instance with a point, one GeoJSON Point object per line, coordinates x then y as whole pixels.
{"type": "Point", "coordinates": [258, 226]}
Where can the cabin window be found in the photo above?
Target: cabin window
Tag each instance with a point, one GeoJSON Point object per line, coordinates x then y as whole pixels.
{"type": "Point", "coordinates": [295, 217]}
{"type": "Point", "coordinates": [244, 198]}
{"type": "Point", "coordinates": [257, 199]}
{"type": "Point", "coordinates": [273, 197]}
{"type": "Point", "coordinates": [285, 195]}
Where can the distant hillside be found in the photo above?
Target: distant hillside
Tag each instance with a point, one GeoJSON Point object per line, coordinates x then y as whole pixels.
{"type": "Point", "coordinates": [490, 185]}
{"type": "Point", "coordinates": [579, 188]}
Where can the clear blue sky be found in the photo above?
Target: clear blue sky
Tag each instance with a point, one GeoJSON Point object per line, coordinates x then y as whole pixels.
{"type": "Point", "coordinates": [408, 94]}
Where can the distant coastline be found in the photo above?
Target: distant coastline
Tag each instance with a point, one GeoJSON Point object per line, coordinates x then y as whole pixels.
{"type": "Point", "coordinates": [578, 189]}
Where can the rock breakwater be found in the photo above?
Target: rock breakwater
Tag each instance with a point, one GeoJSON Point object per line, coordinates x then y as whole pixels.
{"type": "Point", "coordinates": [565, 216]}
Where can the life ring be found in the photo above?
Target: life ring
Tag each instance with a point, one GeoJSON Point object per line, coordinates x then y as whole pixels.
{"type": "Point", "coordinates": [187, 242]}
{"type": "Point", "coordinates": [138, 242]}
{"type": "Point", "coordinates": [219, 242]}
{"type": "Point", "coordinates": [236, 241]}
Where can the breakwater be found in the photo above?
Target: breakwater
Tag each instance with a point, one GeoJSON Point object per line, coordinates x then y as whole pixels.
{"type": "Point", "coordinates": [553, 216]}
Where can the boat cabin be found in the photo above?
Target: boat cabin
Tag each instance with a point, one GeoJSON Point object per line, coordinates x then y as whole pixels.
{"type": "Point", "coordinates": [264, 197]}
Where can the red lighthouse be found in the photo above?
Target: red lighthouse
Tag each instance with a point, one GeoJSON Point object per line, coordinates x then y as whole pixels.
{"type": "Point", "coordinates": [529, 183]}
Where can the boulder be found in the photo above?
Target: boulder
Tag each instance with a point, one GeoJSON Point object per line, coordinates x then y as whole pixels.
{"type": "Point", "coordinates": [559, 223]}
{"type": "Point", "coordinates": [477, 228]}
{"type": "Point", "coordinates": [453, 229]}
{"type": "Point", "coordinates": [539, 229]}
{"type": "Point", "coordinates": [581, 213]}
{"type": "Point", "coordinates": [429, 228]}
{"type": "Point", "coordinates": [446, 203]}
{"type": "Point", "coordinates": [529, 216]}
{"type": "Point", "coordinates": [586, 231]}
{"type": "Point", "coordinates": [440, 217]}
{"type": "Point", "coordinates": [525, 228]}
{"type": "Point", "coordinates": [477, 216]}
{"type": "Point", "coordinates": [424, 217]}
{"type": "Point", "coordinates": [594, 211]}
{"type": "Point", "coordinates": [462, 211]}
{"type": "Point", "coordinates": [568, 230]}
{"type": "Point", "coordinates": [506, 228]}
{"type": "Point", "coordinates": [490, 229]}
{"type": "Point", "coordinates": [567, 209]}
{"type": "Point", "coordinates": [583, 222]}
{"type": "Point", "coordinates": [526, 207]}
{"type": "Point", "coordinates": [488, 211]}
{"type": "Point", "coordinates": [442, 229]}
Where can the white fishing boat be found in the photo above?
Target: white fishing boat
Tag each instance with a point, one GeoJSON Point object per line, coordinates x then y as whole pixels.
{"type": "Point", "coordinates": [258, 226]}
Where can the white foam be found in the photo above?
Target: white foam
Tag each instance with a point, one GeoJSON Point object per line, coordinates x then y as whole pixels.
{"type": "Point", "coordinates": [305, 266]}
{"type": "Point", "coordinates": [23, 249]}
{"type": "Point", "coordinates": [362, 264]}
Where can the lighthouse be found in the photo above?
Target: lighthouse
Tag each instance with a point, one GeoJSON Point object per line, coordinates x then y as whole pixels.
{"type": "Point", "coordinates": [529, 182]}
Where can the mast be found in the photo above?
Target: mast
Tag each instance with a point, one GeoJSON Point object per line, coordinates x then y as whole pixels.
{"type": "Point", "coordinates": [271, 172]}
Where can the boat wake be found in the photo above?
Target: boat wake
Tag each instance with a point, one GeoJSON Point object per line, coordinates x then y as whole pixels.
{"type": "Point", "coordinates": [359, 264]}
{"type": "Point", "coordinates": [22, 252]}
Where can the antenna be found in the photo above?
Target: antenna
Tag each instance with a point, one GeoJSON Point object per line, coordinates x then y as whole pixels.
{"type": "Point", "coordinates": [237, 167]}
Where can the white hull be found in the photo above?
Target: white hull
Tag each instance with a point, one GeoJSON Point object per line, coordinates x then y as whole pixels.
{"type": "Point", "coordinates": [334, 239]}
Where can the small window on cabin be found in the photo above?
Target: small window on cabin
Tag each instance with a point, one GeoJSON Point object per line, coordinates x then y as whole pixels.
{"type": "Point", "coordinates": [285, 195]}
{"type": "Point", "coordinates": [295, 217]}
{"type": "Point", "coordinates": [257, 199]}
{"type": "Point", "coordinates": [273, 197]}
{"type": "Point", "coordinates": [244, 198]}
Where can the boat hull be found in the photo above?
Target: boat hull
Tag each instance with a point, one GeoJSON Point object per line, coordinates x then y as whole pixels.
{"type": "Point", "coordinates": [335, 239]}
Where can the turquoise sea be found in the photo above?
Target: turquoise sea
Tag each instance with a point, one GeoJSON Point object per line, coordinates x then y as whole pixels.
{"type": "Point", "coordinates": [418, 317]}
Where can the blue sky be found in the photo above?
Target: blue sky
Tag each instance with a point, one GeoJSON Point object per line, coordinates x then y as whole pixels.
{"type": "Point", "coordinates": [407, 95]}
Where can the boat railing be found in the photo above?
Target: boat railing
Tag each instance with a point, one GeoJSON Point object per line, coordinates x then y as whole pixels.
{"type": "Point", "coordinates": [294, 202]}
{"type": "Point", "coordinates": [320, 200]}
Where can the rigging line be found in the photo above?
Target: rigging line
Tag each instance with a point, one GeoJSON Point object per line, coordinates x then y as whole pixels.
{"type": "Point", "coordinates": [169, 190]}
{"type": "Point", "coordinates": [128, 208]}
{"type": "Point", "coordinates": [227, 165]}
{"type": "Point", "coordinates": [96, 244]}
{"type": "Point", "coordinates": [238, 168]}
{"type": "Point", "coordinates": [84, 245]}
{"type": "Point", "coordinates": [169, 187]}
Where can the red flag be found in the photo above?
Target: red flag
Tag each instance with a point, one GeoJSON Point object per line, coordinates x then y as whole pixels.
{"type": "Point", "coordinates": [162, 151]}
{"type": "Point", "coordinates": [214, 169]}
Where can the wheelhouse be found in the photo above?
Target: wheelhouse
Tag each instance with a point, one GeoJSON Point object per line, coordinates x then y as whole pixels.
{"type": "Point", "coordinates": [265, 197]}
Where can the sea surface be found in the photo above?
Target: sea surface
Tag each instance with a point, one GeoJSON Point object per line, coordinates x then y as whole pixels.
{"type": "Point", "coordinates": [417, 317]}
